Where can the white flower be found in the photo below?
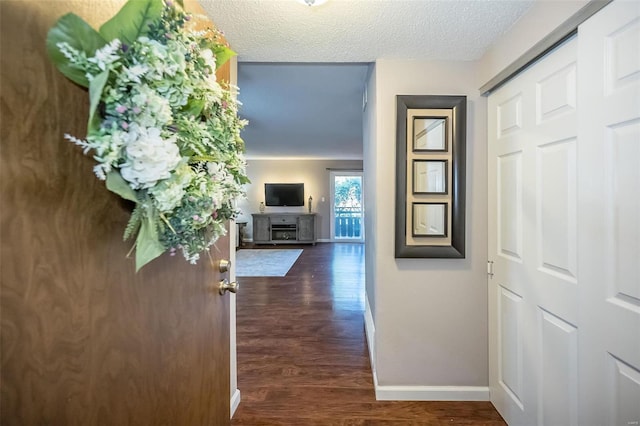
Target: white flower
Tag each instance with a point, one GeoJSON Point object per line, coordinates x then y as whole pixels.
{"type": "Point", "coordinates": [69, 52]}
{"type": "Point", "coordinates": [149, 158]}
{"type": "Point", "coordinates": [135, 72]}
{"type": "Point", "coordinates": [216, 170]}
{"type": "Point", "coordinates": [209, 59]}
{"type": "Point", "coordinates": [106, 55]}
{"type": "Point", "coordinates": [168, 198]}
{"type": "Point", "coordinates": [155, 110]}
{"type": "Point", "coordinates": [169, 193]}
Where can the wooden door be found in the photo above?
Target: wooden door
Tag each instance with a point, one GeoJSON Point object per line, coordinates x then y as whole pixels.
{"type": "Point", "coordinates": [609, 223]}
{"type": "Point", "coordinates": [85, 340]}
{"type": "Point", "coordinates": [533, 243]}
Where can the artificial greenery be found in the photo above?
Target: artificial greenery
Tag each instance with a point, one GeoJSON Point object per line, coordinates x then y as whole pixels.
{"type": "Point", "coordinates": [164, 132]}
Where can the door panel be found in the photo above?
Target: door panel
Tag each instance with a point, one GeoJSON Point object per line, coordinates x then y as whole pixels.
{"type": "Point", "coordinates": [609, 225]}
{"type": "Point", "coordinates": [532, 194]}
{"type": "Point", "coordinates": [85, 340]}
{"type": "Point", "coordinates": [565, 310]}
{"type": "Point", "coordinates": [306, 228]}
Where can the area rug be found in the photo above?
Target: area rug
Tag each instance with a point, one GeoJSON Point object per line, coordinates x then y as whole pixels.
{"type": "Point", "coordinates": [265, 263]}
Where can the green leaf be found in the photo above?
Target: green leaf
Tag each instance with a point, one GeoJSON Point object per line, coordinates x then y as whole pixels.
{"type": "Point", "coordinates": [134, 222]}
{"type": "Point", "coordinates": [74, 30]}
{"type": "Point", "coordinates": [223, 54]}
{"type": "Point", "coordinates": [148, 245]}
{"type": "Point", "coordinates": [202, 158]}
{"type": "Point", "coordinates": [116, 184]}
{"type": "Point", "coordinates": [132, 21]}
{"type": "Point", "coordinates": [95, 93]}
{"type": "Point", "coordinates": [194, 107]}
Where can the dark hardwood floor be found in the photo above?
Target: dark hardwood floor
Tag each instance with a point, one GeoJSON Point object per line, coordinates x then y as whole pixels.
{"type": "Point", "coordinates": [302, 351]}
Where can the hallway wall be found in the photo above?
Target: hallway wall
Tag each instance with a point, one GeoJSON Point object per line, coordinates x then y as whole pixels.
{"type": "Point", "coordinates": [430, 314]}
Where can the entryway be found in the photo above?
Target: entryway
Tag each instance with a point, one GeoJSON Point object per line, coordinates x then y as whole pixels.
{"type": "Point", "coordinates": [302, 352]}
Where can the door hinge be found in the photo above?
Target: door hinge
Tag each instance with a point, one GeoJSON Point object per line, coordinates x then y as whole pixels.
{"type": "Point", "coordinates": [490, 268]}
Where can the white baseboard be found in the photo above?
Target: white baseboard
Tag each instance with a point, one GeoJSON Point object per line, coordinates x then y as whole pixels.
{"type": "Point", "coordinates": [235, 401]}
{"type": "Point", "coordinates": [319, 240]}
{"type": "Point", "coordinates": [431, 393]}
{"type": "Point", "coordinates": [370, 331]}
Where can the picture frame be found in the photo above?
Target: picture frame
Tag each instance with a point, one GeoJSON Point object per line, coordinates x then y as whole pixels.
{"type": "Point", "coordinates": [430, 176]}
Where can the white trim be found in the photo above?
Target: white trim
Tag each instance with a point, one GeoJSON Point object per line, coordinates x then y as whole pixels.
{"type": "Point", "coordinates": [233, 230]}
{"type": "Point", "coordinates": [233, 356]}
{"type": "Point", "coordinates": [552, 40]}
{"type": "Point", "coordinates": [370, 331]}
{"type": "Point", "coordinates": [235, 402]}
{"type": "Point", "coordinates": [319, 240]}
{"type": "Point", "coordinates": [431, 393]}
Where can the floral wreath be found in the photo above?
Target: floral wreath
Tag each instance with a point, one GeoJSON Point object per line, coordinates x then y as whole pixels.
{"type": "Point", "coordinates": [165, 134]}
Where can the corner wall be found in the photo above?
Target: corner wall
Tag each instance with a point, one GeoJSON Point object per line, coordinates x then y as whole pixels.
{"type": "Point", "coordinates": [314, 175]}
{"type": "Point", "coordinates": [369, 136]}
{"type": "Point", "coordinates": [430, 314]}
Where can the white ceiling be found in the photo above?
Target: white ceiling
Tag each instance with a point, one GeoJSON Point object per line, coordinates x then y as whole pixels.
{"type": "Point", "coordinates": [300, 105]}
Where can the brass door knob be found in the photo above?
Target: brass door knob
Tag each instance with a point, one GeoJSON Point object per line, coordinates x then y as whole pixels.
{"type": "Point", "coordinates": [225, 286]}
{"type": "Point", "coordinates": [224, 265]}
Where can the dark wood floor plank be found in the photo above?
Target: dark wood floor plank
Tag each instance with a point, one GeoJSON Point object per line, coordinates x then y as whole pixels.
{"type": "Point", "coordinates": [302, 351]}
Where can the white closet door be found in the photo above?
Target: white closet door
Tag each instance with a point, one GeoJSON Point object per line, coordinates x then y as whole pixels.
{"type": "Point", "coordinates": [609, 219]}
{"type": "Point", "coordinates": [533, 301]}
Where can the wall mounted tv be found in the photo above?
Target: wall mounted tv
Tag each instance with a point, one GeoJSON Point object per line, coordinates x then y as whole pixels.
{"type": "Point", "coordinates": [284, 194]}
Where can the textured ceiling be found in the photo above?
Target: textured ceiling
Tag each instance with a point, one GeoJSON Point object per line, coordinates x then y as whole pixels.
{"type": "Point", "coordinates": [362, 30]}
{"type": "Point", "coordinates": [299, 102]}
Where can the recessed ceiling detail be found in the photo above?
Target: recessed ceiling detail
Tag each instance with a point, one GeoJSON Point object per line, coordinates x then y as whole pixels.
{"type": "Point", "coordinates": [302, 110]}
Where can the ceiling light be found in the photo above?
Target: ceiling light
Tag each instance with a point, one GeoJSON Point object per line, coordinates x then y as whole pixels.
{"type": "Point", "coordinates": [312, 2]}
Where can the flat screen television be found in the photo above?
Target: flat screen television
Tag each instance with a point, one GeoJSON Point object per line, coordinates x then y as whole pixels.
{"type": "Point", "coordinates": [284, 194]}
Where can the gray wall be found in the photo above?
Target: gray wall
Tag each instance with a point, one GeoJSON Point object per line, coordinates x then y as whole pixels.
{"type": "Point", "coordinates": [430, 314]}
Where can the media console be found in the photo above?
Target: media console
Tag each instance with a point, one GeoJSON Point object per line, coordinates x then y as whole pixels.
{"type": "Point", "coordinates": [284, 228]}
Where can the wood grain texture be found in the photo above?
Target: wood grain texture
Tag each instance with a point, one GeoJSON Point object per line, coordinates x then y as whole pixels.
{"type": "Point", "coordinates": [302, 351]}
{"type": "Point", "coordinates": [85, 340]}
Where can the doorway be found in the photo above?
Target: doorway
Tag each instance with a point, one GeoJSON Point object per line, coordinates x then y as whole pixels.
{"type": "Point", "coordinates": [347, 206]}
